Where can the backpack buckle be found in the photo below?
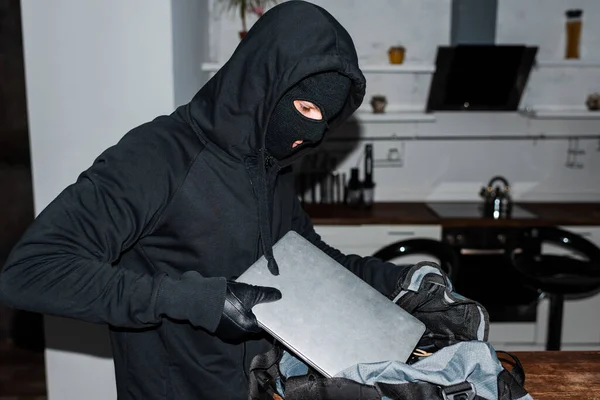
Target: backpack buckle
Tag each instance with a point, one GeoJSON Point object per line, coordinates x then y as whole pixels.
{"type": "Point", "coordinates": [461, 391]}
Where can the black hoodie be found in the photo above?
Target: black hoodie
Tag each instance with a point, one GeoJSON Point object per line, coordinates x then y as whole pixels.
{"type": "Point", "coordinates": [146, 238]}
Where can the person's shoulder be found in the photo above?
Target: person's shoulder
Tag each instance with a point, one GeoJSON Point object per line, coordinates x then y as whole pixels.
{"type": "Point", "coordinates": [164, 134]}
{"type": "Point", "coordinates": [161, 146]}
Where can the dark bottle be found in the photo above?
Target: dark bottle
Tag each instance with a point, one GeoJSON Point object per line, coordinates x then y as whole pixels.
{"type": "Point", "coordinates": [368, 188]}
{"type": "Point", "coordinates": [354, 191]}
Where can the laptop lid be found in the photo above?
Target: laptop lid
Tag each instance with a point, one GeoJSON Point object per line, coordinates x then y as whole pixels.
{"type": "Point", "coordinates": [327, 316]}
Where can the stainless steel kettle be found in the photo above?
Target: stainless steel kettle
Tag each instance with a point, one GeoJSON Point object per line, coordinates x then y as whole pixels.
{"type": "Point", "coordinates": [497, 200]}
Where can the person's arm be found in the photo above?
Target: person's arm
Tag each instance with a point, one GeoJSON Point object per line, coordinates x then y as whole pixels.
{"type": "Point", "coordinates": [66, 264]}
{"type": "Point", "coordinates": [379, 274]}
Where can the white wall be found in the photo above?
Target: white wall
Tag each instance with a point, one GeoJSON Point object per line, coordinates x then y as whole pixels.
{"type": "Point", "coordinates": [374, 26]}
{"type": "Point", "coordinates": [95, 69]}
{"type": "Point", "coordinates": [455, 170]}
{"type": "Point", "coordinates": [542, 23]}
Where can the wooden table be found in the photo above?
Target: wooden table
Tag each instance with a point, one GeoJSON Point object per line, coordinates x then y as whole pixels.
{"type": "Point", "coordinates": [558, 375]}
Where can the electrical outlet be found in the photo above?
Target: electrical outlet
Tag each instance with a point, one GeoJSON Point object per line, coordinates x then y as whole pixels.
{"type": "Point", "coordinates": [393, 159]}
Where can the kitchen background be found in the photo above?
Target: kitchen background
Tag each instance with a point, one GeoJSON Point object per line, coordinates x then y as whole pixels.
{"type": "Point", "coordinates": [95, 69]}
{"type": "Point", "coordinates": [455, 170]}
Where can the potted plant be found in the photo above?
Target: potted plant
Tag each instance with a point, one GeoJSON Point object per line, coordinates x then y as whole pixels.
{"type": "Point", "coordinates": [378, 102]}
{"type": "Point", "coordinates": [396, 54]}
{"type": "Point", "coordinates": [257, 7]}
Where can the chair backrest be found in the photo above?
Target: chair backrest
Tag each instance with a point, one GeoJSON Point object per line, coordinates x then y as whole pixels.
{"type": "Point", "coordinates": [568, 240]}
{"type": "Point", "coordinates": [447, 257]}
{"type": "Point", "coordinates": [564, 273]}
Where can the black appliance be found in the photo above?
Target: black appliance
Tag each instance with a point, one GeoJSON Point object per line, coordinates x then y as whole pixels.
{"type": "Point", "coordinates": [480, 77]}
{"type": "Point", "coordinates": [486, 272]}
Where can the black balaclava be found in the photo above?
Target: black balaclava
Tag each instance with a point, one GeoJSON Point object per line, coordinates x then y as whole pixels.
{"type": "Point", "coordinates": [327, 90]}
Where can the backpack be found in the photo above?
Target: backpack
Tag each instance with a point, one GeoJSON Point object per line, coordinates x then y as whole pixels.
{"type": "Point", "coordinates": [452, 361]}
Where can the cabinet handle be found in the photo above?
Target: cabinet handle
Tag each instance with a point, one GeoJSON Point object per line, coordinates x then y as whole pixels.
{"type": "Point", "coordinates": [482, 251]}
{"type": "Point", "coordinates": [401, 233]}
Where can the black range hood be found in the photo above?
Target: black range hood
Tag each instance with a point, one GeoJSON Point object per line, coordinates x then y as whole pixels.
{"type": "Point", "coordinates": [480, 77]}
{"type": "Point", "coordinates": [474, 73]}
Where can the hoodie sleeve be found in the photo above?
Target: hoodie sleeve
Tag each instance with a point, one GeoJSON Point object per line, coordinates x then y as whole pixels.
{"type": "Point", "coordinates": [379, 274]}
{"type": "Point", "coordinates": [66, 264]}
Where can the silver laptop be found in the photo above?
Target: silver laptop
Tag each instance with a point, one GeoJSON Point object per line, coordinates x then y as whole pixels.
{"type": "Point", "coordinates": [328, 317]}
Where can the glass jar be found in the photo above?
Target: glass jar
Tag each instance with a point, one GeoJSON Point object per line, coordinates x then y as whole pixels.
{"type": "Point", "coordinates": [396, 54]}
{"type": "Point", "coordinates": [573, 33]}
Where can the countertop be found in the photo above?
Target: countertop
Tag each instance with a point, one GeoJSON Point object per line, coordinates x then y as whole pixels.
{"type": "Point", "coordinates": [548, 214]}
{"type": "Point", "coordinates": [558, 375]}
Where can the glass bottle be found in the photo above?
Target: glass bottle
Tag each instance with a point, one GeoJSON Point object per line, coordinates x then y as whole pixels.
{"type": "Point", "coordinates": [369, 185]}
{"type": "Point", "coordinates": [354, 191]}
{"type": "Point", "coordinates": [573, 33]}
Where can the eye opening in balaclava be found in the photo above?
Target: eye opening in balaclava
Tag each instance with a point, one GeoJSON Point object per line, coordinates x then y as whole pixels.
{"type": "Point", "coordinates": [328, 91]}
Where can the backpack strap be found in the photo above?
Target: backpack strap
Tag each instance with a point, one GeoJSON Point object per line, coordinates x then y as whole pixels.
{"type": "Point", "coordinates": [511, 384]}
{"type": "Point", "coordinates": [312, 387]}
{"type": "Point", "coordinates": [264, 369]}
{"type": "Point", "coordinates": [410, 390]}
{"type": "Point", "coordinates": [424, 390]}
{"type": "Point", "coordinates": [518, 372]}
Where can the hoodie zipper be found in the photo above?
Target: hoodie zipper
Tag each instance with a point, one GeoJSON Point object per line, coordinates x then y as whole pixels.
{"type": "Point", "coordinates": [271, 163]}
{"type": "Point", "coordinates": [244, 349]}
{"type": "Point", "coordinates": [256, 253]}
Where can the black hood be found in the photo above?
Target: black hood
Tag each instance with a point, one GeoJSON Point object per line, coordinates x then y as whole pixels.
{"type": "Point", "coordinates": [289, 42]}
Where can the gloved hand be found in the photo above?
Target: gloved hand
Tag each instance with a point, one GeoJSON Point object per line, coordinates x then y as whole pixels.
{"type": "Point", "coordinates": [426, 292]}
{"type": "Point", "coordinates": [238, 321]}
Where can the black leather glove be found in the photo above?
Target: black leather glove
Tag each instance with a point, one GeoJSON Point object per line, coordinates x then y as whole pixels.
{"type": "Point", "coordinates": [426, 292]}
{"type": "Point", "coordinates": [238, 321]}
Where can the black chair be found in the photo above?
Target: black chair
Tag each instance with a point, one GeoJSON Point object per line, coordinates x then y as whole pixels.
{"type": "Point", "coordinates": [448, 259]}
{"type": "Point", "coordinates": [558, 276]}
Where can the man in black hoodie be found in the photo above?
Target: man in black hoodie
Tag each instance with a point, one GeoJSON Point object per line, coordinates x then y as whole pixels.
{"type": "Point", "coordinates": [149, 238]}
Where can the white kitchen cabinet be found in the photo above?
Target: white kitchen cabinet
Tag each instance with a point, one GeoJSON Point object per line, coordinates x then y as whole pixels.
{"type": "Point", "coordinates": [581, 317]}
{"type": "Point", "coordinates": [365, 240]}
